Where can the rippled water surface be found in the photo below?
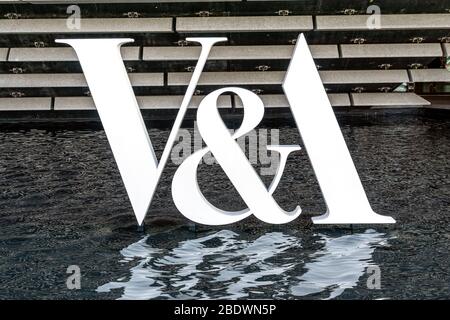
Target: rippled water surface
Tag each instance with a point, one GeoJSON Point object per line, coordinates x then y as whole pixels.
{"type": "Point", "coordinates": [63, 203]}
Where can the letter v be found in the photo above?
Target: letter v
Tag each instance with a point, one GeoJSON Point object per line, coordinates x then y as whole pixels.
{"type": "Point", "coordinates": [121, 117]}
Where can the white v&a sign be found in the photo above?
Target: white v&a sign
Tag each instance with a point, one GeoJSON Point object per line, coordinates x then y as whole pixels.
{"type": "Point", "coordinates": [119, 112]}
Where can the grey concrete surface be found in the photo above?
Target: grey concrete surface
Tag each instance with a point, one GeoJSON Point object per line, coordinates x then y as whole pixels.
{"type": "Point", "coordinates": [387, 22]}
{"type": "Point", "coordinates": [236, 52]}
{"type": "Point", "coordinates": [56, 80]}
{"type": "Point", "coordinates": [88, 25]}
{"type": "Point", "coordinates": [144, 102]}
{"type": "Point", "coordinates": [59, 54]}
{"type": "Point", "coordinates": [25, 104]}
{"type": "Point", "coordinates": [244, 24]}
{"type": "Point", "coordinates": [389, 50]}
{"type": "Point", "coordinates": [389, 99]}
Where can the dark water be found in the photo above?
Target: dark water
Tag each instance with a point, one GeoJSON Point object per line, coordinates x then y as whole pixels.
{"type": "Point", "coordinates": [62, 203]}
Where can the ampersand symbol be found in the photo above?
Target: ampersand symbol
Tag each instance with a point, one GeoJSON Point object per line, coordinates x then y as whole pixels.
{"type": "Point", "coordinates": [186, 193]}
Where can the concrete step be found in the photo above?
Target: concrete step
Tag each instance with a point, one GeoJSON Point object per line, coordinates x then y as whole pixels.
{"type": "Point", "coordinates": [372, 100]}
{"type": "Point", "coordinates": [388, 100]}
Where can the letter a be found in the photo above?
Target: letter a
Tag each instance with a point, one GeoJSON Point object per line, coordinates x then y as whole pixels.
{"type": "Point", "coordinates": [339, 182]}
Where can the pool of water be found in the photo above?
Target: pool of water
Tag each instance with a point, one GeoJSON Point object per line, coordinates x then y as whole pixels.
{"type": "Point", "coordinates": [62, 203]}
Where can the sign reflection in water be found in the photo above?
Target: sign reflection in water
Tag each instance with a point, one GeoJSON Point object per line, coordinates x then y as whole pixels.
{"type": "Point", "coordinates": [224, 265]}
